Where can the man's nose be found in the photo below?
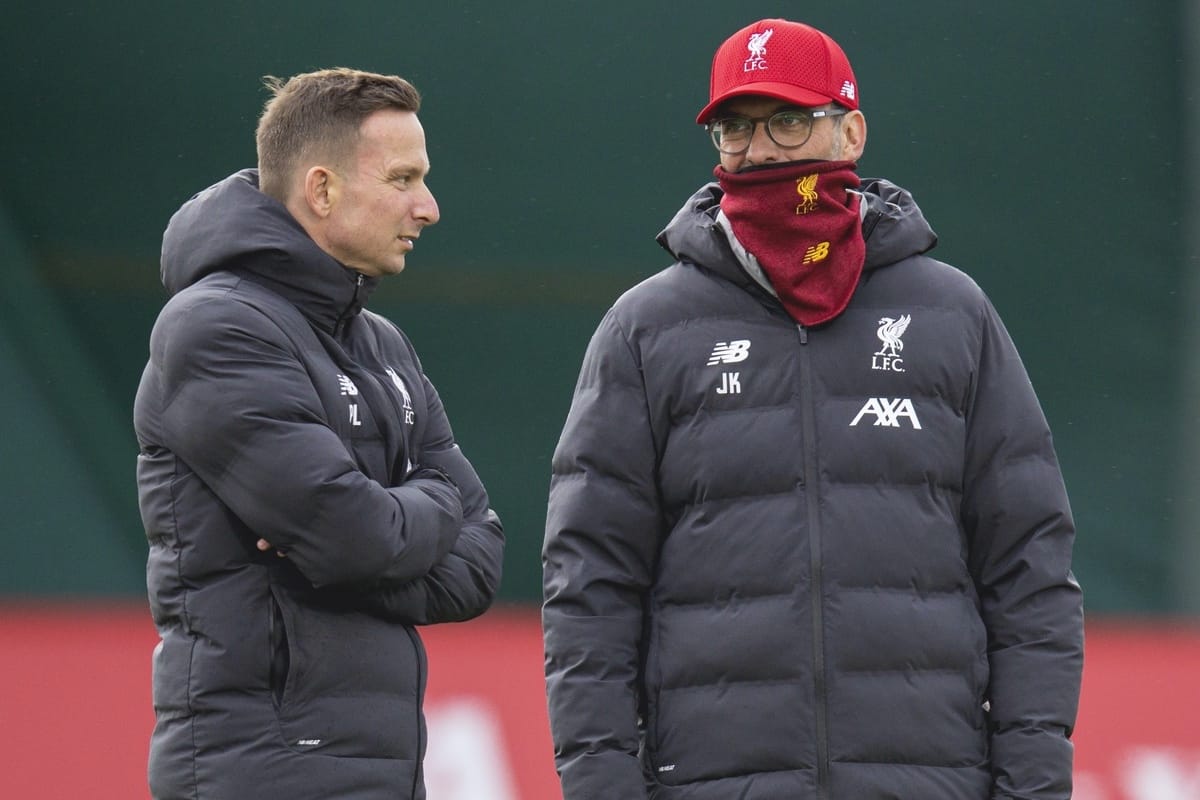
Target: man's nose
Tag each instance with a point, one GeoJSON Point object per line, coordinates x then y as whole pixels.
{"type": "Point", "coordinates": [427, 208]}
{"type": "Point", "coordinates": [762, 149]}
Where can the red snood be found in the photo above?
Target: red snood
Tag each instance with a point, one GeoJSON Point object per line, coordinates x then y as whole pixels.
{"type": "Point", "coordinates": [802, 224]}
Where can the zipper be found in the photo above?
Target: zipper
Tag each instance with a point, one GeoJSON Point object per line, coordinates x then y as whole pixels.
{"type": "Point", "coordinates": [341, 320]}
{"type": "Point", "coordinates": [812, 484]}
{"type": "Point", "coordinates": [415, 638]}
{"type": "Point", "coordinates": [279, 663]}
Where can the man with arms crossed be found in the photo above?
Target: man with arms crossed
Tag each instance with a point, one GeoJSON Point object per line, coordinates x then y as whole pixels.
{"type": "Point", "coordinates": [305, 501]}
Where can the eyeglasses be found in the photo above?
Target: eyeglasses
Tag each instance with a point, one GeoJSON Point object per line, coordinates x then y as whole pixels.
{"type": "Point", "coordinates": [789, 128]}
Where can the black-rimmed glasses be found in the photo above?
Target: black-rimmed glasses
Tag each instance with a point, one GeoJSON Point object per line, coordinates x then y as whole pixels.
{"type": "Point", "coordinates": [789, 128]}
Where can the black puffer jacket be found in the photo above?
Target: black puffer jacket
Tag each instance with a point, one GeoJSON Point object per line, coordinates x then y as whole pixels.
{"type": "Point", "coordinates": [273, 406]}
{"type": "Point", "coordinates": [809, 563]}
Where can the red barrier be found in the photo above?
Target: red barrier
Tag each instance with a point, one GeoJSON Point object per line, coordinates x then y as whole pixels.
{"type": "Point", "coordinates": [1138, 732]}
{"type": "Point", "coordinates": [75, 712]}
{"type": "Point", "coordinates": [485, 677]}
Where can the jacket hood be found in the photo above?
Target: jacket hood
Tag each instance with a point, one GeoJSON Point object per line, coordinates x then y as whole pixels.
{"type": "Point", "coordinates": [232, 226]}
{"type": "Point", "coordinates": [893, 226]}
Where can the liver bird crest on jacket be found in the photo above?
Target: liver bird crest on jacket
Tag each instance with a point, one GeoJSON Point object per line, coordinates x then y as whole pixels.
{"type": "Point", "coordinates": [890, 331]}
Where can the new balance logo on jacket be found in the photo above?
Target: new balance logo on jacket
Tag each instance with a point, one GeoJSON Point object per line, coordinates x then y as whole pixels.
{"type": "Point", "coordinates": [729, 352]}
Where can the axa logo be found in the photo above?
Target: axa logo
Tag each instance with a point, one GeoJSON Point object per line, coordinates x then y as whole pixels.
{"type": "Point", "coordinates": [758, 50]}
{"type": "Point", "coordinates": [729, 352]}
{"type": "Point", "coordinates": [889, 333]}
{"type": "Point", "coordinates": [806, 187]}
{"type": "Point", "coordinates": [889, 412]}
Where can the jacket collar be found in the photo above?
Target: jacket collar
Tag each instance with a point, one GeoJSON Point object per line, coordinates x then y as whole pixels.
{"type": "Point", "coordinates": [232, 226]}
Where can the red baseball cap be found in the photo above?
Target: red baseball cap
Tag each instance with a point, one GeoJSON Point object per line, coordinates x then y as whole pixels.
{"type": "Point", "coordinates": [779, 58]}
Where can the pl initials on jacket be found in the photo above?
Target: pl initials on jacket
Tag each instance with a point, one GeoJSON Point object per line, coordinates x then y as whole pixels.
{"type": "Point", "coordinates": [789, 563]}
{"type": "Point", "coordinates": [274, 406]}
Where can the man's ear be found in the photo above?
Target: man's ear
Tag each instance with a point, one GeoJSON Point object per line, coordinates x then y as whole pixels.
{"type": "Point", "coordinates": [321, 189]}
{"type": "Point", "coordinates": [854, 135]}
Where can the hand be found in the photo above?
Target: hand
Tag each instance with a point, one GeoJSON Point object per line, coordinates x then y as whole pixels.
{"type": "Point", "coordinates": [264, 546]}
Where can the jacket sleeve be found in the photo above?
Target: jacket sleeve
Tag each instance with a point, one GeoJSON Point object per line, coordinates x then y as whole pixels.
{"type": "Point", "coordinates": [463, 583]}
{"type": "Point", "coordinates": [241, 411]}
{"type": "Point", "coordinates": [1021, 535]}
{"type": "Point", "coordinates": [602, 530]}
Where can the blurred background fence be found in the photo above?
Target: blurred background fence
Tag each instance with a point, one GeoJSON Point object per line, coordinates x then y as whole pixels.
{"type": "Point", "coordinates": [1051, 145]}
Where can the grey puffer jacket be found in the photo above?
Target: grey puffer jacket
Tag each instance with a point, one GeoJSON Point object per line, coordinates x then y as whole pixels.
{"type": "Point", "coordinates": [274, 406]}
{"type": "Point", "coordinates": [809, 563]}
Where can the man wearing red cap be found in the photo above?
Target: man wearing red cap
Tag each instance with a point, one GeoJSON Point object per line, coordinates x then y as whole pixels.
{"type": "Point", "coordinates": [807, 534]}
